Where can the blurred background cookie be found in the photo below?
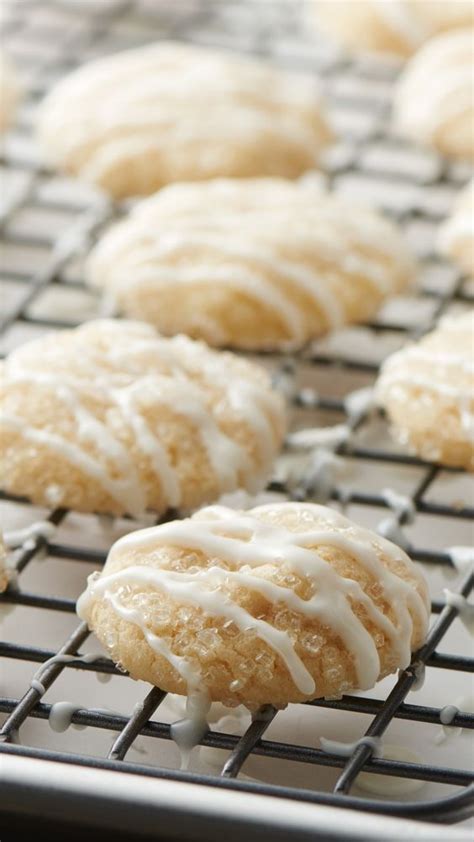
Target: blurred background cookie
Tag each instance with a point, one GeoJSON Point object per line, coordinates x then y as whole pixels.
{"type": "Point", "coordinates": [259, 263]}
{"type": "Point", "coordinates": [433, 98]}
{"type": "Point", "coordinates": [456, 235]}
{"type": "Point", "coordinates": [427, 390]}
{"type": "Point", "coordinates": [110, 417]}
{"type": "Point", "coordinates": [389, 26]}
{"type": "Point", "coordinates": [279, 604]}
{"type": "Point", "coordinates": [171, 112]}
{"type": "Point", "coordinates": [9, 92]}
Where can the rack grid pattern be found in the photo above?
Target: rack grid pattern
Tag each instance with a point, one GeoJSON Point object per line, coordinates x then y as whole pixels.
{"type": "Point", "coordinates": [53, 39]}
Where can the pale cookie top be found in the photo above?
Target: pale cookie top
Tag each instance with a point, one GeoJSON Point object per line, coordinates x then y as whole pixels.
{"type": "Point", "coordinates": [298, 561]}
{"type": "Point", "coordinates": [130, 412]}
{"type": "Point", "coordinates": [166, 112]}
{"type": "Point", "coordinates": [456, 235]}
{"type": "Point", "coordinates": [394, 26]}
{"type": "Point", "coordinates": [428, 390]}
{"type": "Point", "coordinates": [433, 101]}
{"type": "Point", "coordinates": [3, 566]}
{"type": "Point", "coordinates": [258, 263]}
{"type": "Point", "coordinates": [9, 92]}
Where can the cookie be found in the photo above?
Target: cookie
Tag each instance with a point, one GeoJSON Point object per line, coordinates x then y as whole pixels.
{"type": "Point", "coordinates": [399, 27]}
{"type": "Point", "coordinates": [427, 391]}
{"type": "Point", "coordinates": [456, 235]}
{"type": "Point", "coordinates": [167, 112]}
{"type": "Point", "coordinates": [252, 263]}
{"type": "Point", "coordinates": [282, 603]}
{"type": "Point", "coordinates": [110, 417]}
{"type": "Point", "coordinates": [433, 102]}
{"type": "Point", "coordinates": [9, 92]}
{"type": "Point", "coordinates": [4, 577]}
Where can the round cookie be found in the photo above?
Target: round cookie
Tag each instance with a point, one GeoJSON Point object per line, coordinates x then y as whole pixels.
{"type": "Point", "coordinates": [427, 390]}
{"type": "Point", "coordinates": [9, 92]}
{"type": "Point", "coordinates": [433, 101]}
{"type": "Point", "coordinates": [135, 121]}
{"type": "Point", "coordinates": [252, 263]}
{"type": "Point", "coordinates": [456, 235]}
{"type": "Point", "coordinates": [4, 575]}
{"type": "Point", "coordinates": [399, 27]}
{"type": "Point", "coordinates": [282, 603]}
{"type": "Point", "coordinates": [110, 417]}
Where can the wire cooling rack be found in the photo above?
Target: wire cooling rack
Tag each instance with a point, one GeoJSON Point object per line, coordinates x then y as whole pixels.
{"type": "Point", "coordinates": [47, 226]}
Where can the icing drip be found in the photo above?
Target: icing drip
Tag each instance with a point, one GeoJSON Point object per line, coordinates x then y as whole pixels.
{"type": "Point", "coordinates": [390, 528]}
{"type": "Point", "coordinates": [188, 732]}
{"type": "Point", "coordinates": [319, 478]}
{"type": "Point", "coordinates": [246, 544]}
{"type": "Point", "coordinates": [399, 503]}
{"type": "Point", "coordinates": [462, 558]}
{"type": "Point", "coordinates": [447, 715]}
{"type": "Point", "coordinates": [118, 382]}
{"type": "Point", "coordinates": [15, 538]}
{"type": "Point", "coordinates": [89, 658]}
{"type": "Point", "coordinates": [346, 749]}
{"type": "Point", "coordinates": [60, 716]}
{"type": "Point", "coordinates": [358, 403]}
{"type": "Point", "coordinates": [389, 785]}
{"type": "Point", "coordinates": [465, 609]}
{"type": "Point", "coordinates": [419, 671]}
{"type": "Point", "coordinates": [36, 685]}
{"type": "Point", "coordinates": [330, 437]}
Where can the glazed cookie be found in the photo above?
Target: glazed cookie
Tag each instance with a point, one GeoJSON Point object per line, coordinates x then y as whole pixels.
{"type": "Point", "coordinates": [4, 577]}
{"type": "Point", "coordinates": [9, 92]}
{"type": "Point", "coordinates": [427, 391]}
{"type": "Point", "coordinates": [389, 26]}
{"type": "Point", "coordinates": [433, 101]}
{"type": "Point", "coordinates": [256, 264]}
{"type": "Point", "coordinates": [282, 603]}
{"type": "Point", "coordinates": [456, 235]}
{"type": "Point", "coordinates": [135, 121]}
{"type": "Point", "coordinates": [110, 417]}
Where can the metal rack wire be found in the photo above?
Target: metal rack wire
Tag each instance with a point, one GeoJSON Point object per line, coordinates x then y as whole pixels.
{"type": "Point", "coordinates": [368, 158]}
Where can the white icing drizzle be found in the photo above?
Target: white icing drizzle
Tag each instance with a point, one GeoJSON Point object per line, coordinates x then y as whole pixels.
{"type": "Point", "coordinates": [398, 16]}
{"type": "Point", "coordinates": [330, 437]}
{"type": "Point", "coordinates": [390, 528]}
{"type": "Point", "coordinates": [460, 226]}
{"type": "Point", "coordinates": [419, 671]}
{"type": "Point", "coordinates": [436, 86]}
{"type": "Point", "coordinates": [389, 785]}
{"type": "Point", "coordinates": [465, 609]}
{"type": "Point", "coordinates": [224, 233]}
{"type": "Point", "coordinates": [462, 558]}
{"type": "Point", "coordinates": [247, 542]}
{"type": "Point", "coordinates": [401, 504]}
{"type": "Point", "coordinates": [319, 478]}
{"type": "Point", "coordinates": [447, 714]}
{"type": "Point", "coordinates": [99, 452]}
{"type": "Point", "coordinates": [358, 403]}
{"type": "Point", "coordinates": [88, 658]}
{"type": "Point", "coordinates": [61, 714]}
{"type": "Point", "coordinates": [346, 749]}
{"type": "Point", "coordinates": [15, 538]}
{"type": "Point", "coordinates": [38, 686]}
{"type": "Point", "coordinates": [156, 96]}
{"type": "Point", "coordinates": [188, 732]}
{"type": "Point", "coordinates": [463, 704]}
{"type": "Point", "coordinates": [431, 366]}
